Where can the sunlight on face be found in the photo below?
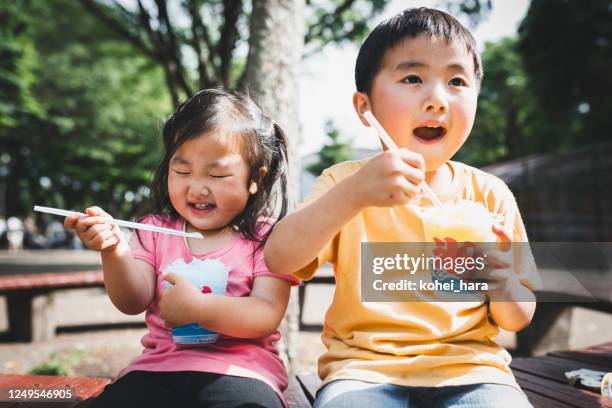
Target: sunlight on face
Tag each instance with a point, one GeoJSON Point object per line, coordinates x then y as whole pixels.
{"type": "Point", "coordinates": [208, 181]}
{"type": "Point", "coordinates": [425, 97]}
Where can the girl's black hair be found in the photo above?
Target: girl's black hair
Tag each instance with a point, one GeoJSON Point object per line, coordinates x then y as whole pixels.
{"type": "Point", "coordinates": [263, 144]}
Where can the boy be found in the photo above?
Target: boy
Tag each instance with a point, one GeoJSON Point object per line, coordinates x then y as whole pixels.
{"type": "Point", "coordinates": [419, 73]}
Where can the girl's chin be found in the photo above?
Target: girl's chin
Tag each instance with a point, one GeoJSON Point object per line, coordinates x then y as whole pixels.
{"type": "Point", "coordinates": [206, 226]}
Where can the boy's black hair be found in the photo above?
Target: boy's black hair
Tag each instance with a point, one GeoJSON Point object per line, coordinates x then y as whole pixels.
{"type": "Point", "coordinates": [410, 23]}
{"type": "Point", "coordinates": [263, 144]}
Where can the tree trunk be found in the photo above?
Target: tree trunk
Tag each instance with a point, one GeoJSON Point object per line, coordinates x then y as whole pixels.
{"type": "Point", "coordinates": [271, 77]}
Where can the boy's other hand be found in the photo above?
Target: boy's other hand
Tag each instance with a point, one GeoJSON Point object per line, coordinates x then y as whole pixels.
{"type": "Point", "coordinates": [389, 179]}
{"type": "Point", "coordinates": [94, 231]}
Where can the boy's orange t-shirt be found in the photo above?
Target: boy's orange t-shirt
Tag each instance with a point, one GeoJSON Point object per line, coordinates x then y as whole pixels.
{"type": "Point", "coordinates": [423, 344]}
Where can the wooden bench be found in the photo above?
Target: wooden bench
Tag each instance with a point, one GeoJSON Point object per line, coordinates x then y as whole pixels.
{"type": "Point", "coordinates": [550, 327]}
{"type": "Point", "coordinates": [27, 322]}
{"type": "Point", "coordinates": [81, 387]}
{"type": "Point", "coordinates": [541, 378]}
{"type": "Point", "coordinates": [88, 387]}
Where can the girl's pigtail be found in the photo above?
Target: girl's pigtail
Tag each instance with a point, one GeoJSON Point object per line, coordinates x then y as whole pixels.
{"type": "Point", "coordinates": [277, 177]}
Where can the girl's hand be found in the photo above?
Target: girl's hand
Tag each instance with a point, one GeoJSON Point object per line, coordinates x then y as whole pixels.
{"type": "Point", "coordinates": [177, 303]}
{"type": "Point", "coordinates": [389, 179]}
{"type": "Point", "coordinates": [94, 232]}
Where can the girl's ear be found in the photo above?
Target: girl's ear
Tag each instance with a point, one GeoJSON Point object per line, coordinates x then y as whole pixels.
{"type": "Point", "coordinates": [262, 173]}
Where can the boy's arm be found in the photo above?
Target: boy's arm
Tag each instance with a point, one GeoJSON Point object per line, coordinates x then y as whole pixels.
{"type": "Point", "coordinates": [514, 315]}
{"type": "Point", "coordinates": [512, 304]}
{"type": "Point", "coordinates": [298, 238]}
{"type": "Point", "coordinates": [388, 179]}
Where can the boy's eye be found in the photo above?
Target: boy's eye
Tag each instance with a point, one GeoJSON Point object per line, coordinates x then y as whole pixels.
{"type": "Point", "coordinates": [412, 79]}
{"type": "Point", "coordinates": [457, 82]}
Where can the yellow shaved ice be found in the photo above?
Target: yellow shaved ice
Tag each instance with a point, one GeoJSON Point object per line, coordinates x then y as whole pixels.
{"type": "Point", "coordinates": [464, 221]}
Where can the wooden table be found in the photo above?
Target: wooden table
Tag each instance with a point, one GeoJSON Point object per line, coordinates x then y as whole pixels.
{"type": "Point", "coordinates": [21, 289]}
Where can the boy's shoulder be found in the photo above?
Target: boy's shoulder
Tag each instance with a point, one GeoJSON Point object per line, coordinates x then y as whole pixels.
{"type": "Point", "coordinates": [479, 178]}
{"type": "Point", "coordinates": [344, 169]}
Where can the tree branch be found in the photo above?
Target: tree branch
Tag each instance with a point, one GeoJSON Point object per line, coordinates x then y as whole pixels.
{"type": "Point", "coordinates": [99, 12]}
{"type": "Point", "coordinates": [172, 49]}
{"type": "Point", "coordinates": [160, 55]}
{"type": "Point", "coordinates": [227, 42]}
{"type": "Point", "coordinates": [203, 78]}
{"type": "Point", "coordinates": [315, 29]}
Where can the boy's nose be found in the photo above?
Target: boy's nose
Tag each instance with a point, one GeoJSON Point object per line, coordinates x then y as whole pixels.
{"type": "Point", "coordinates": [436, 101]}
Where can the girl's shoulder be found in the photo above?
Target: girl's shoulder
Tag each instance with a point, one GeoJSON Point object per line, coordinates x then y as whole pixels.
{"type": "Point", "coordinates": [265, 224]}
{"type": "Point", "coordinates": [262, 229]}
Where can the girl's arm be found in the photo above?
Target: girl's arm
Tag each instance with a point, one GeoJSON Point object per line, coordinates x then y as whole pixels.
{"type": "Point", "coordinates": [130, 282]}
{"type": "Point", "coordinates": [255, 316]}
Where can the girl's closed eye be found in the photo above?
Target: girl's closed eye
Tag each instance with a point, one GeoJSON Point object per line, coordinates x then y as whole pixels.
{"type": "Point", "coordinates": [412, 79]}
{"type": "Point", "coordinates": [181, 173]}
{"type": "Point", "coordinates": [220, 176]}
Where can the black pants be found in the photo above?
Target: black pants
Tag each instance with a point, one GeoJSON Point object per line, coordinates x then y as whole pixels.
{"type": "Point", "coordinates": [185, 389]}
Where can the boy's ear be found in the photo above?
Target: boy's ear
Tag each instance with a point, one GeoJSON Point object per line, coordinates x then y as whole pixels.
{"type": "Point", "coordinates": [361, 103]}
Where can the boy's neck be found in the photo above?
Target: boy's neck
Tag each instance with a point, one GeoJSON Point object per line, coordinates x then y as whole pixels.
{"type": "Point", "coordinates": [440, 179]}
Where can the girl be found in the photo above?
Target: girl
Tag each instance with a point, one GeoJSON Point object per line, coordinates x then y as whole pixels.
{"type": "Point", "coordinates": [222, 160]}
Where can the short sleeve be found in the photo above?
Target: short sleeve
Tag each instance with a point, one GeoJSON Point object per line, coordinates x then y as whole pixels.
{"type": "Point", "coordinates": [261, 269]}
{"type": "Point", "coordinates": [142, 243]}
{"type": "Point", "coordinates": [328, 253]}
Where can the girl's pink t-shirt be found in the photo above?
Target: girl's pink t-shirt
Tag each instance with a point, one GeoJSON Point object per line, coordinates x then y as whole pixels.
{"type": "Point", "coordinates": [233, 263]}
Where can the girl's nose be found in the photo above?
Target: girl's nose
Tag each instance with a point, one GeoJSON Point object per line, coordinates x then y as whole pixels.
{"type": "Point", "coordinates": [199, 189]}
{"type": "Point", "coordinates": [436, 100]}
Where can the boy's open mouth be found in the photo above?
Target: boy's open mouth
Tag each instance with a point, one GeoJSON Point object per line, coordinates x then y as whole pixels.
{"type": "Point", "coordinates": [429, 133]}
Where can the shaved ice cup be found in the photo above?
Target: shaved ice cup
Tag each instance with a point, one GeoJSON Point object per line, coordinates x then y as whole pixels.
{"type": "Point", "coordinates": [463, 221]}
{"type": "Point", "coordinates": [209, 276]}
{"type": "Point", "coordinates": [452, 229]}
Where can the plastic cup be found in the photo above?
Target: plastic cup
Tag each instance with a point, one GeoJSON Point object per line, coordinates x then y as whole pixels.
{"type": "Point", "coordinates": [464, 221]}
{"type": "Point", "coordinates": [209, 276]}
{"type": "Point", "coordinates": [451, 231]}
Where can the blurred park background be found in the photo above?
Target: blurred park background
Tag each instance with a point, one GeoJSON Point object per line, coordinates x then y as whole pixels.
{"type": "Point", "coordinates": [86, 84]}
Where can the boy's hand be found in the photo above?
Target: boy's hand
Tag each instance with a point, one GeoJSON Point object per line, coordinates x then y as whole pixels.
{"type": "Point", "coordinates": [177, 302]}
{"type": "Point", "coordinates": [503, 283]}
{"type": "Point", "coordinates": [389, 179]}
{"type": "Point", "coordinates": [94, 232]}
